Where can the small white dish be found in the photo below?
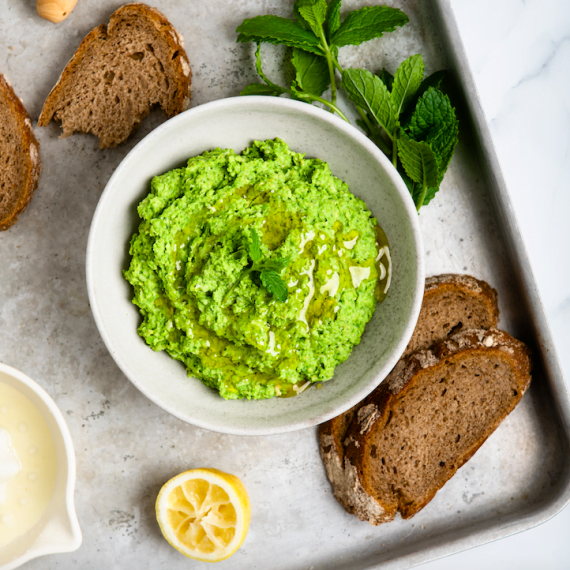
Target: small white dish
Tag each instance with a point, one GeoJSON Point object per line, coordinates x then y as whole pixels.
{"type": "Point", "coordinates": [235, 123]}
{"type": "Point", "coordinates": [57, 530]}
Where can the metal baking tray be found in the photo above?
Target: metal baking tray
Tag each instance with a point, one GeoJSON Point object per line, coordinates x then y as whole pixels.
{"type": "Point", "coordinates": [127, 447]}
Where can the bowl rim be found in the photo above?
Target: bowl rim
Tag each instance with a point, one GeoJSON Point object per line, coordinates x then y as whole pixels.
{"type": "Point", "coordinates": [76, 537]}
{"type": "Point", "coordinates": [238, 102]}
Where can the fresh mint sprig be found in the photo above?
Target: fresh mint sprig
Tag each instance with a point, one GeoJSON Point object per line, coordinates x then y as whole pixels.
{"type": "Point", "coordinates": [416, 117]}
{"type": "Point", "coordinates": [318, 30]}
{"type": "Point", "coordinates": [405, 114]}
{"type": "Point", "coordinates": [268, 270]}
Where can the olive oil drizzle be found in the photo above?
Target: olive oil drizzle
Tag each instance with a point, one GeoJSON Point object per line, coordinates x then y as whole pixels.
{"type": "Point", "coordinates": [323, 255]}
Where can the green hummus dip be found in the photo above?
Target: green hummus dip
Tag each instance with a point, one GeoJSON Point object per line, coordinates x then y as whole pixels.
{"type": "Point", "coordinates": [191, 251]}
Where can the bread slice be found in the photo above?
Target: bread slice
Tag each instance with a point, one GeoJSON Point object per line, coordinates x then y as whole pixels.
{"type": "Point", "coordinates": [118, 74]}
{"type": "Point", "coordinates": [450, 302]}
{"type": "Point", "coordinates": [20, 165]}
{"type": "Point", "coordinates": [435, 409]}
{"type": "Point", "coordinates": [453, 302]}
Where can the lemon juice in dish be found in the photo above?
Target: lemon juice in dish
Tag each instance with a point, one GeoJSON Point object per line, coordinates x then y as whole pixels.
{"type": "Point", "coordinates": [28, 464]}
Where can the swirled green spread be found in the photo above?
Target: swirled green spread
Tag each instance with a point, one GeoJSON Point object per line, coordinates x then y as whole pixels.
{"type": "Point", "coordinates": [203, 304]}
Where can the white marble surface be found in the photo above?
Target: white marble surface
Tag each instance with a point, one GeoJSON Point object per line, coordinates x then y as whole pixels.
{"type": "Point", "coordinates": [519, 51]}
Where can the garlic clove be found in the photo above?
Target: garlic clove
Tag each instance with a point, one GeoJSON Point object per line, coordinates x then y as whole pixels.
{"type": "Point", "coordinates": [55, 10]}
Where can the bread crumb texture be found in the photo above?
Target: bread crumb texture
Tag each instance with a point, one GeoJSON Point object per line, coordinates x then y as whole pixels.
{"type": "Point", "coordinates": [449, 400]}
{"type": "Point", "coordinates": [19, 156]}
{"type": "Point", "coordinates": [118, 74]}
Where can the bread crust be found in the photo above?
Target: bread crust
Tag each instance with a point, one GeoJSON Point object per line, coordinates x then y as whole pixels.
{"type": "Point", "coordinates": [405, 375]}
{"type": "Point", "coordinates": [332, 433]}
{"type": "Point", "coordinates": [449, 283]}
{"type": "Point", "coordinates": [331, 436]}
{"type": "Point", "coordinates": [31, 148]}
{"type": "Point", "coordinates": [103, 32]}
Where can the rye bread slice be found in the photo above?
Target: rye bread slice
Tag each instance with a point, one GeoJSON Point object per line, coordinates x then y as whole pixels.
{"type": "Point", "coordinates": [450, 302]}
{"type": "Point", "coordinates": [435, 409]}
{"type": "Point", "coordinates": [20, 165]}
{"type": "Point", "coordinates": [453, 302]}
{"type": "Point", "coordinates": [118, 74]}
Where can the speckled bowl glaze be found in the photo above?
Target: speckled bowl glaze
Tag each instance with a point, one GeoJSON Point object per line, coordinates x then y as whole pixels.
{"type": "Point", "coordinates": [235, 123]}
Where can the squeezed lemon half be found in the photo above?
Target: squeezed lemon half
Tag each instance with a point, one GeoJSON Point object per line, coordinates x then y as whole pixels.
{"type": "Point", "coordinates": [204, 513]}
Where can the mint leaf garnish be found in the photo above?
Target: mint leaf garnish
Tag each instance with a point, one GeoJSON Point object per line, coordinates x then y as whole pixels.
{"type": "Point", "coordinates": [420, 165]}
{"type": "Point", "coordinates": [405, 110]}
{"type": "Point", "coordinates": [432, 80]}
{"type": "Point", "coordinates": [367, 24]}
{"type": "Point", "coordinates": [276, 30]}
{"type": "Point", "coordinates": [268, 270]}
{"type": "Point", "coordinates": [406, 82]}
{"type": "Point", "coordinates": [387, 78]}
{"type": "Point", "coordinates": [419, 161]}
{"type": "Point", "coordinates": [368, 91]}
{"type": "Point", "coordinates": [277, 264]}
{"type": "Point", "coordinates": [333, 17]}
{"type": "Point", "coordinates": [254, 246]}
{"type": "Point", "coordinates": [442, 141]}
{"type": "Point", "coordinates": [433, 109]}
{"type": "Point", "coordinates": [435, 123]}
{"type": "Point", "coordinates": [311, 71]}
{"type": "Point", "coordinates": [314, 12]}
{"type": "Point", "coordinates": [274, 284]}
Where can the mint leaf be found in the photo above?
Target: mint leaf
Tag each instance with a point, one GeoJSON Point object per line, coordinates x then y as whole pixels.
{"type": "Point", "coordinates": [442, 141]}
{"type": "Point", "coordinates": [369, 92]}
{"type": "Point", "coordinates": [434, 121]}
{"type": "Point", "coordinates": [406, 82]}
{"type": "Point", "coordinates": [314, 12]}
{"type": "Point", "coordinates": [387, 78]}
{"type": "Point", "coordinates": [274, 284]}
{"type": "Point", "coordinates": [433, 110]}
{"type": "Point", "coordinates": [418, 161]}
{"type": "Point", "coordinates": [333, 17]}
{"type": "Point", "coordinates": [430, 195]}
{"type": "Point", "coordinates": [368, 23]}
{"type": "Point", "coordinates": [262, 89]}
{"type": "Point", "coordinates": [277, 264]}
{"type": "Point", "coordinates": [276, 30]}
{"type": "Point", "coordinates": [300, 20]}
{"type": "Point", "coordinates": [432, 80]}
{"type": "Point", "coordinates": [311, 71]}
{"type": "Point", "coordinates": [254, 246]}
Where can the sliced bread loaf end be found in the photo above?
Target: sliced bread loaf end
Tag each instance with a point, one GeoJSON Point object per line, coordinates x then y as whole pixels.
{"type": "Point", "coordinates": [435, 409]}
{"type": "Point", "coordinates": [20, 165]}
{"type": "Point", "coordinates": [118, 74]}
{"type": "Point", "coordinates": [450, 302]}
{"type": "Point", "coordinates": [453, 302]}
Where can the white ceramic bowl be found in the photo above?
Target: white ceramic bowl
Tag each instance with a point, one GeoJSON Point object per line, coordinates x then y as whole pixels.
{"type": "Point", "coordinates": [235, 123]}
{"type": "Point", "coordinates": [57, 530]}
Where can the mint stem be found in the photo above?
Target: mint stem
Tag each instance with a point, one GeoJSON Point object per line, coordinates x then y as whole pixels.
{"type": "Point", "coordinates": [395, 153]}
{"type": "Point", "coordinates": [331, 106]}
{"type": "Point", "coordinates": [373, 133]}
{"type": "Point", "coordinates": [329, 57]}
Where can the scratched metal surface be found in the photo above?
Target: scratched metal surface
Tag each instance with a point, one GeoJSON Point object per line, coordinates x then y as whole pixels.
{"type": "Point", "coordinates": [127, 447]}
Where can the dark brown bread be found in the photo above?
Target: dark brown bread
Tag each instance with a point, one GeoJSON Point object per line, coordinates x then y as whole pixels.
{"type": "Point", "coordinates": [20, 165]}
{"type": "Point", "coordinates": [435, 409]}
{"type": "Point", "coordinates": [331, 447]}
{"type": "Point", "coordinates": [118, 74]}
{"type": "Point", "coordinates": [450, 302]}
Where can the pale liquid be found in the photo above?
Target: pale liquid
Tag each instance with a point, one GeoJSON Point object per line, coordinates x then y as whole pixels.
{"type": "Point", "coordinates": [28, 464]}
